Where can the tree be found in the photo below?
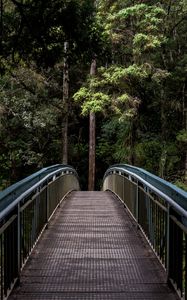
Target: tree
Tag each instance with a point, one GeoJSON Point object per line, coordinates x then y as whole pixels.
{"type": "Point", "coordinates": [91, 172]}
{"type": "Point", "coordinates": [135, 81]}
{"type": "Point", "coordinates": [65, 104]}
{"type": "Point", "coordinates": [138, 93]}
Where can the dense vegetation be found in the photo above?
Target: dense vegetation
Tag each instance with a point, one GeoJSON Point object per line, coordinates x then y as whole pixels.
{"type": "Point", "coordinates": [138, 93]}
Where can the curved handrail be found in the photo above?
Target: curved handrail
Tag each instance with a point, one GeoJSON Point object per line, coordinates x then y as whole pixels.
{"type": "Point", "coordinates": [177, 195]}
{"type": "Point", "coordinates": [25, 210]}
{"type": "Point", "coordinates": [8, 195]}
{"type": "Point", "coordinates": [160, 209]}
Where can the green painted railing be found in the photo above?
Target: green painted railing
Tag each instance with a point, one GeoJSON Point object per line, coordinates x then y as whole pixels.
{"type": "Point", "coordinates": [15, 190]}
{"type": "Point", "coordinates": [160, 209]}
{"type": "Point", "coordinates": [25, 209]}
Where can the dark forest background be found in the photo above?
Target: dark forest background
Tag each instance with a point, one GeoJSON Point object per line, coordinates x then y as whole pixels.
{"type": "Point", "coordinates": [138, 93]}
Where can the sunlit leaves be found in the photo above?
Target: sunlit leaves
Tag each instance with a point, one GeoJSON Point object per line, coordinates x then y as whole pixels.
{"type": "Point", "coordinates": [138, 26]}
{"type": "Point", "coordinates": [109, 91]}
{"type": "Point", "coordinates": [182, 136]}
{"type": "Point", "coordinates": [143, 42]}
{"type": "Point", "coordinates": [91, 101]}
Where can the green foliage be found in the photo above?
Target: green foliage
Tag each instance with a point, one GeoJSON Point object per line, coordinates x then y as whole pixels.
{"type": "Point", "coordinates": [93, 102]}
{"type": "Point", "coordinates": [27, 123]}
{"type": "Point", "coordinates": [116, 74]}
{"type": "Point", "coordinates": [109, 91]}
{"type": "Point", "coordinates": [111, 145]}
{"type": "Point", "coordinates": [182, 136]}
{"type": "Point", "coordinates": [135, 29]}
{"type": "Point", "coordinates": [138, 92]}
{"type": "Point", "coordinates": [145, 151]}
{"type": "Point", "coordinates": [143, 42]}
{"type": "Point", "coordinates": [181, 185]}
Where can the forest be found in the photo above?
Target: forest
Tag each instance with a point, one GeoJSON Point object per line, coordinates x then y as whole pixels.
{"type": "Point", "coordinates": [122, 62]}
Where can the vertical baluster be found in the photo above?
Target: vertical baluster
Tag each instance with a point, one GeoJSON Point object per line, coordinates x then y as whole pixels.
{"type": "Point", "coordinates": [159, 231]}
{"type": "Point", "coordinates": [2, 265]}
{"type": "Point", "coordinates": [18, 241]}
{"type": "Point", "coordinates": [185, 278]}
{"type": "Point", "coordinates": [168, 242]}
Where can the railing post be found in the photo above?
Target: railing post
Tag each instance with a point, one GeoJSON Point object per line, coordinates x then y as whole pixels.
{"type": "Point", "coordinates": [137, 202]}
{"type": "Point", "coordinates": [185, 280]}
{"type": "Point", "coordinates": [149, 217]}
{"type": "Point", "coordinates": [123, 190]}
{"type": "Point", "coordinates": [1, 272]}
{"type": "Point", "coordinates": [168, 240]}
{"type": "Point", "coordinates": [47, 203]}
{"type": "Point", "coordinates": [18, 241]}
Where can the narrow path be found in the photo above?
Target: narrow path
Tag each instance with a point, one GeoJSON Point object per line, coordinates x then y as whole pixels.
{"type": "Point", "coordinates": [92, 250]}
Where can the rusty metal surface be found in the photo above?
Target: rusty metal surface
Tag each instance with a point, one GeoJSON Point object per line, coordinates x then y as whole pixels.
{"type": "Point", "coordinates": [92, 250]}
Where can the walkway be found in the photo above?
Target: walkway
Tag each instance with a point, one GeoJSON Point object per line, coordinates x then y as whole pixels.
{"type": "Point", "coordinates": [92, 250]}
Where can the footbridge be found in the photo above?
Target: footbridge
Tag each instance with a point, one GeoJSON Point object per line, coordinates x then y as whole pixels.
{"type": "Point", "coordinates": [127, 241]}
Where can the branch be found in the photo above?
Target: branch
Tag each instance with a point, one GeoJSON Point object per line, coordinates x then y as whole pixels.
{"type": "Point", "coordinates": [1, 22]}
{"type": "Point", "coordinates": [178, 23]}
{"type": "Point", "coordinates": [26, 87]}
{"type": "Point", "coordinates": [169, 7]}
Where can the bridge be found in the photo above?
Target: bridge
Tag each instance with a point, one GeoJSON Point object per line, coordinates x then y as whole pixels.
{"type": "Point", "coordinates": [127, 241]}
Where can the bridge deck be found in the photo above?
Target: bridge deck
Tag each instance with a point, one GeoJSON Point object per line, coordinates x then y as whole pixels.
{"type": "Point", "coordinates": [92, 250]}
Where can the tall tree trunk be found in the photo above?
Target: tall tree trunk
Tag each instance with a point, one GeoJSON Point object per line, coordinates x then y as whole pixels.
{"type": "Point", "coordinates": [185, 170]}
{"type": "Point", "coordinates": [65, 105]}
{"type": "Point", "coordinates": [1, 25]}
{"type": "Point", "coordinates": [185, 127]}
{"type": "Point", "coordinates": [132, 141]}
{"type": "Point", "coordinates": [91, 175]}
{"type": "Point", "coordinates": [163, 157]}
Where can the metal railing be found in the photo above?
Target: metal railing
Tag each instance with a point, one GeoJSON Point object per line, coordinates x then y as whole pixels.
{"type": "Point", "coordinates": [160, 209]}
{"type": "Point", "coordinates": [25, 209]}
